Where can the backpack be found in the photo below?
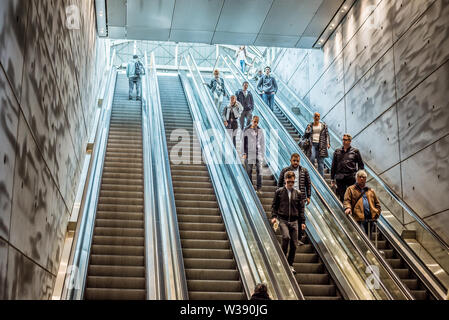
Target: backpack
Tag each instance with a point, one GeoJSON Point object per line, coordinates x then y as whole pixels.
{"type": "Point", "coordinates": [138, 70]}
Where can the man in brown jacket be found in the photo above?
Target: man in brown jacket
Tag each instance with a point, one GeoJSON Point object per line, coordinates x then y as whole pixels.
{"type": "Point", "coordinates": [361, 202]}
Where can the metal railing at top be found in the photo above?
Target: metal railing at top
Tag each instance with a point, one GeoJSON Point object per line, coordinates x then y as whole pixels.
{"type": "Point", "coordinates": [255, 251]}
{"type": "Point", "coordinates": [172, 281]}
{"type": "Point", "coordinates": [78, 263]}
{"type": "Point", "coordinates": [286, 146]}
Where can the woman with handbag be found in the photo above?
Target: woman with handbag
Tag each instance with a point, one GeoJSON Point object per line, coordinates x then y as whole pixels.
{"type": "Point", "coordinates": [317, 142]}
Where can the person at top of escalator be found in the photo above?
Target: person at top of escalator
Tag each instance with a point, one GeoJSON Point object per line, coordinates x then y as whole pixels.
{"type": "Point", "coordinates": [134, 72]}
{"type": "Point", "coordinates": [245, 97]}
{"type": "Point", "coordinates": [345, 164]}
{"type": "Point", "coordinates": [241, 58]}
{"type": "Point", "coordinates": [288, 208]}
{"type": "Point", "coordinates": [253, 151]}
{"type": "Point", "coordinates": [217, 86]}
{"type": "Point", "coordinates": [361, 202]}
{"type": "Point", "coordinates": [231, 117]}
{"type": "Point", "coordinates": [302, 183]}
{"type": "Point", "coordinates": [268, 87]}
{"type": "Point", "coordinates": [316, 142]}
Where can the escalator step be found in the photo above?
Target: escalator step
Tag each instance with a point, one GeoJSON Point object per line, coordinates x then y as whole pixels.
{"type": "Point", "coordinates": [317, 290]}
{"type": "Point", "coordinates": [116, 282]}
{"type": "Point", "coordinates": [212, 274]}
{"type": "Point", "coordinates": [215, 285]}
{"type": "Point", "coordinates": [114, 294]}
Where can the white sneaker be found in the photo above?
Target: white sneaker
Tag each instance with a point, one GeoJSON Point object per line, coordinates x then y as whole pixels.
{"type": "Point", "coordinates": [292, 269]}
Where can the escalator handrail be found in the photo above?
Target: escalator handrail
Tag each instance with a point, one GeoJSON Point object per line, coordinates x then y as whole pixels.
{"type": "Point", "coordinates": [214, 117]}
{"type": "Point", "coordinates": [173, 278]}
{"type": "Point", "coordinates": [249, 279]}
{"type": "Point", "coordinates": [76, 276]}
{"type": "Point", "coordinates": [361, 234]}
{"type": "Point", "coordinates": [152, 246]}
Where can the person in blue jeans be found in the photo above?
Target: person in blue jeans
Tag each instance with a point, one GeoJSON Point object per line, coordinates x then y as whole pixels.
{"type": "Point", "coordinates": [268, 87]}
{"type": "Point", "coordinates": [241, 58]}
{"type": "Point", "coordinates": [318, 138]}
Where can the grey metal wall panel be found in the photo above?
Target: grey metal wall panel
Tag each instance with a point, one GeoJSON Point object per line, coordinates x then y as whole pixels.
{"type": "Point", "coordinates": [355, 18]}
{"type": "Point", "coordinates": [333, 47]}
{"type": "Point", "coordinates": [9, 113]}
{"type": "Point", "coordinates": [282, 19]}
{"type": "Point", "coordinates": [335, 119]}
{"type": "Point", "coordinates": [117, 32]}
{"type": "Point", "coordinates": [371, 96]}
{"type": "Point", "coordinates": [13, 19]}
{"type": "Point", "coordinates": [299, 81]}
{"type": "Point", "coordinates": [150, 14]}
{"type": "Point", "coordinates": [316, 66]}
{"type": "Point", "coordinates": [290, 62]}
{"type": "Point", "coordinates": [439, 223]}
{"type": "Point", "coordinates": [381, 152]}
{"type": "Point", "coordinates": [37, 206]}
{"type": "Point", "coordinates": [425, 179]}
{"type": "Point", "coordinates": [26, 280]}
{"type": "Point", "coordinates": [405, 13]}
{"type": "Point", "coordinates": [116, 11]}
{"type": "Point", "coordinates": [328, 91]}
{"type": "Point", "coordinates": [243, 16]}
{"type": "Point", "coordinates": [424, 113]}
{"type": "Point", "coordinates": [191, 36]}
{"type": "Point", "coordinates": [393, 178]}
{"type": "Point", "coordinates": [234, 38]}
{"type": "Point", "coordinates": [186, 11]}
{"type": "Point", "coordinates": [423, 48]}
{"type": "Point", "coordinates": [370, 43]}
{"type": "Point", "coordinates": [268, 40]}
{"type": "Point", "coordinates": [3, 268]}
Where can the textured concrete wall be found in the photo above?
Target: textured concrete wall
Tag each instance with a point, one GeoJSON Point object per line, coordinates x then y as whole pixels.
{"type": "Point", "coordinates": [49, 80]}
{"type": "Point", "coordinates": [384, 77]}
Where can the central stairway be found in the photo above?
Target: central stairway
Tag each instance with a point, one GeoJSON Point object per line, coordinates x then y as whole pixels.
{"type": "Point", "coordinates": [209, 263]}
{"type": "Point", "coordinates": [117, 268]}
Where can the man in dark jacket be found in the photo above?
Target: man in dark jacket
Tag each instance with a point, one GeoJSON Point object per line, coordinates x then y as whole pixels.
{"type": "Point", "coordinates": [345, 164]}
{"type": "Point", "coordinates": [245, 97]}
{"type": "Point", "coordinates": [288, 207]}
{"type": "Point", "coordinates": [302, 182]}
{"type": "Point", "coordinates": [268, 87]}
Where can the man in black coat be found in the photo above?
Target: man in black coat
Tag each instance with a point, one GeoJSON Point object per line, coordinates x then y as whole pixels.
{"type": "Point", "coordinates": [288, 208]}
{"type": "Point", "coordinates": [302, 182]}
{"type": "Point", "coordinates": [345, 164]}
{"type": "Point", "coordinates": [245, 97]}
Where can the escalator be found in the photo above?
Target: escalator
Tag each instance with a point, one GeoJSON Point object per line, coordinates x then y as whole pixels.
{"type": "Point", "coordinates": [209, 263]}
{"type": "Point", "coordinates": [116, 265]}
{"type": "Point", "coordinates": [311, 273]}
{"type": "Point", "coordinates": [392, 256]}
